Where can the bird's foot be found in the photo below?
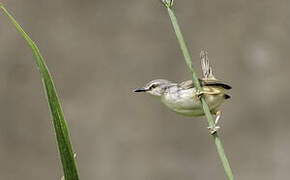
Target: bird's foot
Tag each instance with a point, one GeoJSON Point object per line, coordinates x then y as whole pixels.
{"type": "Point", "coordinates": [215, 127]}
{"type": "Point", "coordinates": [213, 130]}
{"type": "Point", "coordinates": [199, 94]}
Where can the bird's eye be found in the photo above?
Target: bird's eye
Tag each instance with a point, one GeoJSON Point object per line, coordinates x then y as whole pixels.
{"type": "Point", "coordinates": [153, 86]}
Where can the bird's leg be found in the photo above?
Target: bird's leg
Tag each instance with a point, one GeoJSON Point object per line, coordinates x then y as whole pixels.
{"type": "Point", "coordinates": [218, 116]}
{"type": "Point", "coordinates": [216, 127]}
{"type": "Point", "coordinates": [199, 93]}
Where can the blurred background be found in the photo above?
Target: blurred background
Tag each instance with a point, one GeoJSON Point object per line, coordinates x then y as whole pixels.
{"type": "Point", "coordinates": [100, 51]}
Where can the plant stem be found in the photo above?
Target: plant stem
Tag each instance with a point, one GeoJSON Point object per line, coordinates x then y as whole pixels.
{"type": "Point", "coordinates": [169, 4]}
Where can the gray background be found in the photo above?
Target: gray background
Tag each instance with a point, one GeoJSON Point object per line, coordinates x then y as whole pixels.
{"type": "Point", "coordinates": [99, 51]}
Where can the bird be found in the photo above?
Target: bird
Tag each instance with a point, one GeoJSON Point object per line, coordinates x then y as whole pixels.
{"type": "Point", "coordinates": [184, 98]}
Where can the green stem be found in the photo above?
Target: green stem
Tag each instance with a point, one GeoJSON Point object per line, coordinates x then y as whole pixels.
{"type": "Point", "coordinates": [198, 87]}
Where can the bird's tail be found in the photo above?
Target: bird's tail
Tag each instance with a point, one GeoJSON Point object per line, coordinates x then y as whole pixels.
{"type": "Point", "coordinates": [206, 68]}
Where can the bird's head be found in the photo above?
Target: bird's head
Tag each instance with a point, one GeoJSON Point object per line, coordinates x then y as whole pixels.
{"type": "Point", "coordinates": [156, 87]}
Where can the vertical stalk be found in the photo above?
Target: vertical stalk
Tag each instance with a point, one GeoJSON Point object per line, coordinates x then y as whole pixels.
{"type": "Point", "coordinates": [169, 4]}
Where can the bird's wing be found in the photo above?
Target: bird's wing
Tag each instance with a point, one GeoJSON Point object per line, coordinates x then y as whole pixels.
{"type": "Point", "coordinates": [214, 82]}
{"type": "Point", "coordinates": [204, 82]}
{"type": "Point", "coordinates": [186, 84]}
{"type": "Point", "coordinates": [208, 77]}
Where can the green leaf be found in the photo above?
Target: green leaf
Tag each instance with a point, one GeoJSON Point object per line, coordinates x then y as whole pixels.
{"type": "Point", "coordinates": [62, 136]}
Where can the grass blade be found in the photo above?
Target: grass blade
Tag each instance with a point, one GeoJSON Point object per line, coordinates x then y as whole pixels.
{"type": "Point", "coordinates": [169, 4]}
{"type": "Point", "coordinates": [62, 136]}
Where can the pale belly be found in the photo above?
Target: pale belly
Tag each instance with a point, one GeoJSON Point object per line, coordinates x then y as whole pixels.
{"type": "Point", "coordinates": [186, 104]}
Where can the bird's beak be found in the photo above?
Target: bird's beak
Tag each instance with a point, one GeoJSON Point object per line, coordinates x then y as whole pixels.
{"type": "Point", "coordinates": [140, 90]}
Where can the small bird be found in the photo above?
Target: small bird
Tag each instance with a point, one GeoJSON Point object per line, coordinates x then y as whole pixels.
{"type": "Point", "coordinates": [184, 98]}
